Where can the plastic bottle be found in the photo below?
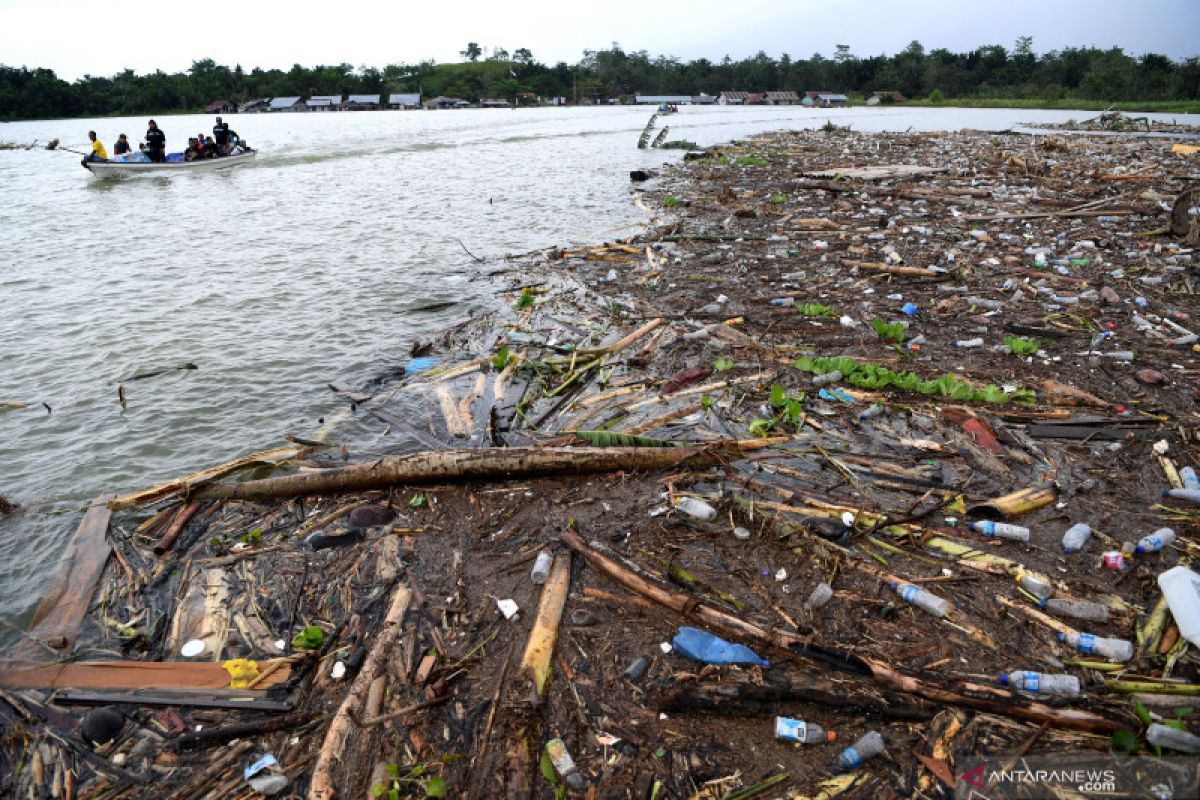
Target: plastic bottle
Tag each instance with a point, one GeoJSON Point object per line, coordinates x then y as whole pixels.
{"type": "Point", "coordinates": [637, 669]}
{"type": "Point", "coordinates": [871, 413]}
{"type": "Point", "coordinates": [1172, 738]}
{"type": "Point", "coordinates": [1036, 585]}
{"type": "Point", "coordinates": [783, 301]}
{"type": "Point", "coordinates": [695, 508]}
{"type": "Point", "coordinates": [703, 646]}
{"type": "Point", "coordinates": [1190, 495]}
{"type": "Point", "coordinates": [795, 730]}
{"type": "Point", "coordinates": [1112, 649]}
{"type": "Point", "coordinates": [922, 599]}
{"type": "Point", "coordinates": [1076, 537]}
{"type": "Point", "coordinates": [541, 567]}
{"type": "Point", "coordinates": [1181, 587]}
{"type": "Point", "coordinates": [1039, 683]}
{"type": "Point", "coordinates": [1155, 541]}
{"type": "Point", "coordinates": [820, 596]}
{"type": "Point", "coordinates": [969, 343]}
{"type": "Point", "coordinates": [1001, 530]}
{"type": "Point", "coordinates": [854, 755]}
{"type": "Point", "coordinates": [564, 765]}
{"type": "Point", "coordinates": [1188, 476]}
{"type": "Point", "coordinates": [827, 378]}
{"type": "Point", "coordinates": [1079, 609]}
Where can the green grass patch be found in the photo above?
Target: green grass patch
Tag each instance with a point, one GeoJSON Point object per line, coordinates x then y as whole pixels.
{"type": "Point", "coordinates": [876, 377]}
{"type": "Point", "coordinates": [670, 201]}
{"type": "Point", "coordinates": [751, 161]}
{"type": "Point", "coordinates": [779, 199]}
{"type": "Point", "coordinates": [1021, 346]}
{"type": "Point", "coordinates": [891, 331]}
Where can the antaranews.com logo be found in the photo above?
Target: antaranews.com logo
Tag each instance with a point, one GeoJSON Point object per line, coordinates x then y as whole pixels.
{"type": "Point", "coordinates": [1090, 775]}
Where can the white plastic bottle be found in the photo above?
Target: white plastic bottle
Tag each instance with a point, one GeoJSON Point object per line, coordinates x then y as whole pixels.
{"type": "Point", "coordinates": [795, 730]}
{"type": "Point", "coordinates": [1181, 587]}
{"type": "Point", "coordinates": [1188, 476]}
{"type": "Point", "coordinates": [820, 596]}
{"type": "Point", "coordinates": [1039, 683]}
{"type": "Point", "coordinates": [1172, 738]}
{"type": "Point", "coordinates": [1036, 585]}
{"type": "Point", "coordinates": [1079, 609]}
{"type": "Point", "coordinates": [827, 378]}
{"type": "Point", "coordinates": [1001, 530]}
{"type": "Point", "coordinates": [695, 508]}
{"type": "Point", "coordinates": [922, 599]}
{"type": "Point", "coordinates": [541, 567]}
{"type": "Point", "coordinates": [1076, 537]}
{"type": "Point", "coordinates": [1190, 495]}
{"type": "Point", "coordinates": [1088, 644]}
{"type": "Point", "coordinates": [1155, 541]}
{"type": "Point", "coordinates": [854, 755]}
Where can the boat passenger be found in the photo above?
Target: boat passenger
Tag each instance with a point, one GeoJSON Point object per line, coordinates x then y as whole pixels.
{"type": "Point", "coordinates": [220, 136]}
{"type": "Point", "coordinates": [98, 152]}
{"type": "Point", "coordinates": [122, 146]}
{"type": "Point", "coordinates": [156, 143]}
{"type": "Point", "coordinates": [231, 139]}
{"type": "Point", "coordinates": [193, 150]}
{"type": "Point", "coordinates": [210, 148]}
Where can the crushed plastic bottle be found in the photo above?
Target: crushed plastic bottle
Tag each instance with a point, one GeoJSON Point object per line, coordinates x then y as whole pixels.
{"type": "Point", "coordinates": [1001, 530]}
{"type": "Point", "coordinates": [1181, 587]}
{"type": "Point", "coordinates": [1036, 585]}
{"type": "Point", "coordinates": [1155, 541]}
{"type": "Point", "coordinates": [1078, 609]}
{"type": "Point", "coordinates": [564, 765]}
{"type": "Point", "coordinates": [796, 730]}
{"type": "Point", "coordinates": [821, 595]}
{"type": "Point", "coordinates": [1173, 738]}
{"type": "Point", "coordinates": [695, 508]}
{"type": "Point", "coordinates": [1039, 683]}
{"type": "Point", "coordinates": [703, 646]}
{"type": "Point", "coordinates": [853, 756]}
{"type": "Point", "coordinates": [1076, 537]}
{"type": "Point", "coordinates": [1088, 644]}
{"type": "Point", "coordinates": [541, 567]}
{"type": "Point", "coordinates": [922, 599]}
{"type": "Point", "coordinates": [1190, 495]}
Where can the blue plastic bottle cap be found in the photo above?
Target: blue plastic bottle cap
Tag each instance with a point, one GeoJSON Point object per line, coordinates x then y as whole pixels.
{"type": "Point", "coordinates": [1004, 679]}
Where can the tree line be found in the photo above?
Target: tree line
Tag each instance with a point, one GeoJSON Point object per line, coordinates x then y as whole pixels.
{"type": "Point", "coordinates": [988, 72]}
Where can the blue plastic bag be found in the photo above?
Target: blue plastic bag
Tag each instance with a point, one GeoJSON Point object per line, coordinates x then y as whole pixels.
{"type": "Point", "coordinates": [703, 646]}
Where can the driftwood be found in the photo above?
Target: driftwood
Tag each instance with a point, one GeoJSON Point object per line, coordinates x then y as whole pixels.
{"type": "Point", "coordinates": [982, 698]}
{"type": "Point", "coordinates": [542, 637]}
{"type": "Point", "coordinates": [890, 269]}
{"type": "Point", "coordinates": [133, 674]}
{"type": "Point", "coordinates": [206, 737]}
{"type": "Point", "coordinates": [60, 613]}
{"type": "Point", "coordinates": [185, 484]}
{"type": "Point", "coordinates": [176, 527]}
{"type": "Point", "coordinates": [451, 465]}
{"type": "Point", "coordinates": [322, 785]}
{"type": "Point", "coordinates": [736, 696]}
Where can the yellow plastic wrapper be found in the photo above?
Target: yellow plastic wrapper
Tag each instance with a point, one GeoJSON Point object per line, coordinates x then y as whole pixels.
{"type": "Point", "coordinates": [1185, 149]}
{"type": "Point", "coordinates": [242, 672]}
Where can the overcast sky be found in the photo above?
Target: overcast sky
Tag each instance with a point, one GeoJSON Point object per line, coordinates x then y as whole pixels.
{"type": "Point", "coordinates": [103, 37]}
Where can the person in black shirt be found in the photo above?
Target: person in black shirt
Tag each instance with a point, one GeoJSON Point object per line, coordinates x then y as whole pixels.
{"type": "Point", "coordinates": [220, 136]}
{"type": "Point", "coordinates": [122, 146]}
{"type": "Point", "coordinates": [156, 143]}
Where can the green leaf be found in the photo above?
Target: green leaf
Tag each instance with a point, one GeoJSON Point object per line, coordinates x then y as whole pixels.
{"type": "Point", "coordinates": [778, 398]}
{"type": "Point", "coordinates": [805, 364]}
{"type": "Point", "coordinates": [435, 787]}
{"type": "Point", "coordinates": [418, 501]}
{"type": "Point", "coordinates": [526, 299]}
{"type": "Point", "coordinates": [1021, 346]}
{"type": "Point", "coordinates": [1141, 711]}
{"type": "Point", "coordinates": [417, 771]}
{"type": "Point", "coordinates": [393, 770]}
{"type": "Point", "coordinates": [1124, 742]}
{"type": "Point", "coordinates": [723, 364]}
{"type": "Point", "coordinates": [377, 789]}
{"type": "Point", "coordinates": [816, 310]}
{"type": "Point", "coordinates": [1182, 712]}
{"type": "Point", "coordinates": [891, 331]}
{"type": "Point", "coordinates": [547, 767]}
{"type": "Point", "coordinates": [310, 638]}
{"type": "Point", "coordinates": [779, 199]}
{"type": "Point", "coordinates": [705, 401]}
{"type": "Point", "coordinates": [761, 428]}
{"type": "Point", "coordinates": [394, 793]}
{"type": "Point", "coordinates": [501, 359]}
{"type": "Point", "coordinates": [659, 753]}
{"type": "Point", "coordinates": [615, 439]}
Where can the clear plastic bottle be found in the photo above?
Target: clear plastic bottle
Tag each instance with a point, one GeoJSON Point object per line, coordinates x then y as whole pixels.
{"type": "Point", "coordinates": [854, 755]}
{"type": "Point", "coordinates": [1076, 537]}
{"type": "Point", "coordinates": [1036, 585]}
{"type": "Point", "coordinates": [1001, 530]}
{"type": "Point", "coordinates": [541, 567]}
{"type": "Point", "coordinates": [564, 765]}
{"type": "Point", "coordinates": [1088, 644]}
{"type": "Point", "coordinates": [695, 508]}
{"type": "Point", "coordinates": [922, 599]}
{"type": "Point", "coordinates": [827, 378]}
{"type": "Point", "coordinates": [1173, 739]}
{"type": "Point", "coordinates": [1155, 541]}
{"type": "Point", "coordinates": [870, 413]}
{"type": "Point", "coordinates": [1190, 495]}
{"type": "Point", "coordinates": [1079, 609]}
{"type": "Point", "coordinates": [795, 730]}
{"type": "Point", "coordinates": [969, 343]}
{"type": "Point", "coordinates": [1040, 683]}
{"type": "Point", "coordinates": [1188, 476]}
{"type": "Point", "coordinates": [1181, 588]}
{"type": "Point", "coordinates": [820, 596]}
{"type": "Point", "coordinates": [783, 301]}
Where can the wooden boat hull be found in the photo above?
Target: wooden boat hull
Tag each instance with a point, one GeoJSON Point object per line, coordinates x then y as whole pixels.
{"type": "Point", "coordinates": [116, 169]}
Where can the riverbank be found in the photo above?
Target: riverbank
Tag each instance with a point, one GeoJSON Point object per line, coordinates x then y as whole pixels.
{"type": "Point", "coordinates": [1143, 106]}
{"type": "Point", "coordinates": [695, 361]}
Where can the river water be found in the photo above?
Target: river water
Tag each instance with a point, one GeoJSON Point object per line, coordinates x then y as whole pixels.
{"type": "Point", "coordinates": [324, 260]}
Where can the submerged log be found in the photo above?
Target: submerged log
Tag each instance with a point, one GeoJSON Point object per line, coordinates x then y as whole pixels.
{"type": "Point", "coordinates": [499, 463]}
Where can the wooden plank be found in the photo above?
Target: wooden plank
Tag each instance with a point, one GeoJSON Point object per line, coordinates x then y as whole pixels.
{"type": "Point", "coordinates": [60, 613]}
{"type": "Point", "coordinates": [133, 674]}
{"type": "Point", "coordinates": [876, 173]}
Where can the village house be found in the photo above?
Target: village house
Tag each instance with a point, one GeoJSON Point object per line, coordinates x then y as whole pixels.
{"type": "Point", "coordinates": [878, 97]}
{"type": "Point", "coordinates": [288, 104]}
{"type": "Point", "coordinates": [221, 107]}
{"type": "Point", "coordinates": [404, 101]}
{"type": "Point", "coordinates": [256, 106]}
{"type": "Point", "coordinates": [781, 98]}
{"type": "Point", "coordinates": [442, 102]}
{"type": "Point", "coordinates": [491, 102]}
{"type": "Point", "coordinates": [324, 102]}
{"type": "Point", "coordinates": [361, 102]}
{"type": "Point", "coordinates": [825, 99]}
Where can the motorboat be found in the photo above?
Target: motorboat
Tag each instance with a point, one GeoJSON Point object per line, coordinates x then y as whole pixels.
{"type": "Point", "coordinates": [138, 164]}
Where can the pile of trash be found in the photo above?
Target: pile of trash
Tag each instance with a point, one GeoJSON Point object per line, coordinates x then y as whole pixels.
{"type": "Point", "coordinates": [872, 458]}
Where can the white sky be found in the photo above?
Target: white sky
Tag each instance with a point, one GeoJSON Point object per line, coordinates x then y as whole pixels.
{"type": "Point", "coordinates": [103, 37]}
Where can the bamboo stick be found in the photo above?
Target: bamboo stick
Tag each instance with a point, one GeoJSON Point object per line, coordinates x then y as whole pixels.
{"type": "Point", "coordinates": [545, 626]}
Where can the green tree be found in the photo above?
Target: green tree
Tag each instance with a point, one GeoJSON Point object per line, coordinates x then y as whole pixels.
{"type": "Point", "coordinates": [473, 51]}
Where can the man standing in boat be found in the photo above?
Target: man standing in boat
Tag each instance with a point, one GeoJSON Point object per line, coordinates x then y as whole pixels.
{"type": "Point", "coordinates": [221, 137]}
{"type": "Point", "coordinates": [156, 143]}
